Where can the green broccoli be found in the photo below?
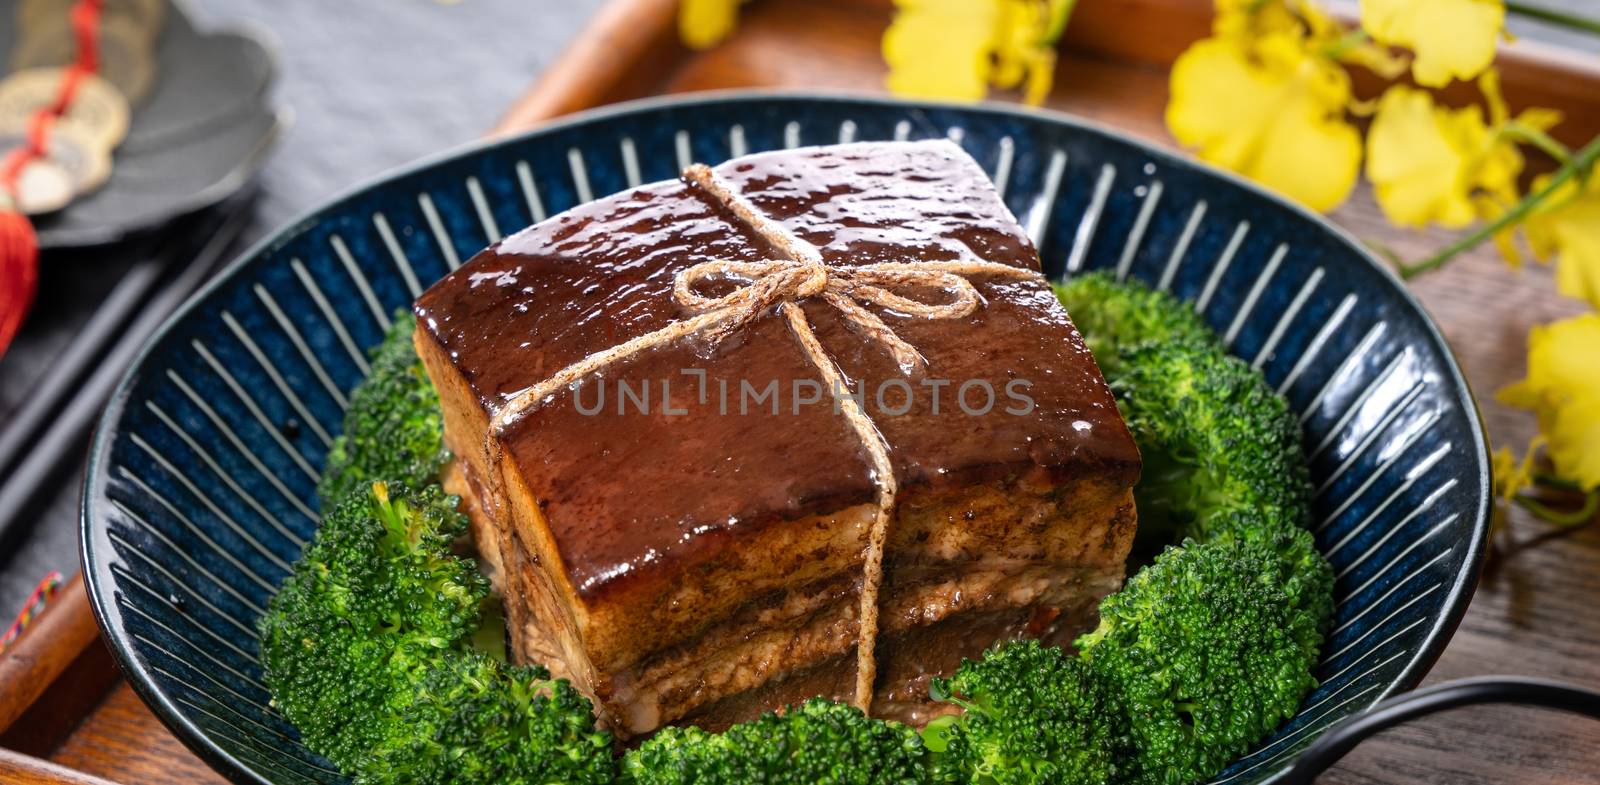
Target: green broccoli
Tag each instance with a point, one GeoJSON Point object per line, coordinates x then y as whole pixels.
{"type": "Point", "coordinates": [477, 721]}
{"type": "Point", "coordinates": [1211, 646]}
{"type": "Point", "coordinates": [394, 428]}
{"type": "Point", "coordinates": [1206, 652]}
{"type": "Point", "coordinates": [1114, 317]}
{"type": "Point", "coordinates": [818, 741]}
{"type": "Point", "coordinates": [1217, 442]}
{"type": "Point", "coordinates": [370, 647]}
{"type": "Point", "coordinates": [1033, 715]}
{"type": "Point", "coordinates": [373, 603]}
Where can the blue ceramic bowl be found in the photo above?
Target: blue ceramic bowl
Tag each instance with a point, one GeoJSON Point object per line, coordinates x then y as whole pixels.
{"type": "Point", "coordinates": [200, 489]}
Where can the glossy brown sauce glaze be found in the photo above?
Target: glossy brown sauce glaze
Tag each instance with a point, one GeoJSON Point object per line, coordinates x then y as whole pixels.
{"type": "Point", "coordinates": [637, 496]}
{"type": "Point", "coordinates": [925, 202]}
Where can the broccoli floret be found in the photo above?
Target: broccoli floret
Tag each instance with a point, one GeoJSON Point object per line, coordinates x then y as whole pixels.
{"type": "Point", "coordinates": [477, 721]}
{"type": "Point", "coordinates": [1303, 574]}
{"type": "Point", "coordinates": [817, 741]}
{"type": "Point", "coordinates": [1115, 317]}
{"type": "Point", "coordinates": [1215, 439]}
{"type": "Point", "coordinates": [1207, 651]}
{"type": "Point", "coordinates": [1212, 646]}
{"type": "Point", "coordinates": [1033, 715]}
{"type": "Point", "coordinates": [394, 428]}
{"type": "Point", "coordinates": [1219, 446]}
{"type": "Point", "coordinates": [374, 601]}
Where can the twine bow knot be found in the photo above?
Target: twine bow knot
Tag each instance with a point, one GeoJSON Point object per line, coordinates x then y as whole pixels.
{"type": "Point", "coordinates": [850, 289]}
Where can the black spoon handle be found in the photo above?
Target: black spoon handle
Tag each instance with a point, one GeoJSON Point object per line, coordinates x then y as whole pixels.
{"type": "Point", "coordinates": [1342, 738]}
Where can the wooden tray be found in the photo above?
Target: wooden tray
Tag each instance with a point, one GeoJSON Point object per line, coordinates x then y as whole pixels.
{"type": "Point", "coordinates": [66, 717]}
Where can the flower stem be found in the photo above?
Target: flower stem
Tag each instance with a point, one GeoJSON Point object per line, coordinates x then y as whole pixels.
{"type": "Point", "coordinates": [1574, 518]}
{"type": "Point", "coordinates": [1557, 482]}
{"type": "Point", "coordinates": [1578, 165]}
{"type": "Point", "coordinates": [1562, 18]}
{"type": "Point", "coordinates": [1545, 142]}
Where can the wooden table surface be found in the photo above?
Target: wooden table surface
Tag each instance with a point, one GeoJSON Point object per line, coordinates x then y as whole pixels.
{"type": "Point", "coordinates": [1534, 613]}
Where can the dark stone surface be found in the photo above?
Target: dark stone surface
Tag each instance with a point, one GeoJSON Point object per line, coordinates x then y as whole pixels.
{"type": "Point", "coordinates": [373, 84]}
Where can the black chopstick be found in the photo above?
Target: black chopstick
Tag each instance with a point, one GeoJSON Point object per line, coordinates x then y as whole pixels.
{"type": "Point", "coordinates": [54, 390]}
{"type": "Point", "coordinates": [61, 438]}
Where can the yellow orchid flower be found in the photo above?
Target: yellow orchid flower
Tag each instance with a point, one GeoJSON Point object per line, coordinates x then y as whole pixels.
{"type": "Point", "coordinates": [1568, 230]}
{"type": "Point", "coordinates": [1431, 164]}
{"type": "Point", "coordinates": [959, 48]}
{"type": "Point", "coordinates": [941, 48]}
{"type": "Point", "coordinates": [1426, 162]}
{"type": "Point", "coordinates": [1449, 38]}
{"type": "Point", "coordinates": [703, 24]}
{"type": "Point", "coordinates": [1563, 389]}
{"type": "Point", "coordinates": [1255, 18]}
{"type": "Point", "coordinates": [1272, 108]}
{"type": "Point", "coordinates": [1512, 476]}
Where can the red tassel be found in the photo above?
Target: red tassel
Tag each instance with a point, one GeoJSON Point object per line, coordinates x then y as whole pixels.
{"type": "Point", "coordinates": [19, 246]}
{"type": "Point", "coordinates": [19, 272]}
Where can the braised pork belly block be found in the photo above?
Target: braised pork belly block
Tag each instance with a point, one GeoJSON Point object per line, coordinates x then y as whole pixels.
{"type": "Point", "coordinates": [687, 548]}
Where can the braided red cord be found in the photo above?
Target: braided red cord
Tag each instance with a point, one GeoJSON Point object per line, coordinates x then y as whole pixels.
{"type": "Point", "coordinates": [19, 246]}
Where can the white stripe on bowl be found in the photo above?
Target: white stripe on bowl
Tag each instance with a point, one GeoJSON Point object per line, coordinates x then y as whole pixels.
{"type": "Point", "coordinates": [1355, 407]}
{"type": "Point", "coordinates": [1203, 302]}
{"type": "Point", "coordinates": [446, 247]}
{"type": "Point", "coordinates": [1315, 347]}
{"type": "Point", "coordinates": [1287, 317]}
{"type": "Point", "coordinates": [1389, 565]}
{"type": "Point", "coordinates": [1347, 367]}
{"type": "Point", "coordinates": [188, 484]}
{"type": "Point", "coordinates": [239, 446]}
{"type": "Point", "coordinates": [1182, 247]}
{"type": "Point", "coordinates": [1002, 167]}
{"type": "Point", "coordinates": [1427, 503]}
{"type": "Point", "coordinates": [630, 162]}
{"type": "Point", "coordinates": [1411, 477]}
{"type": "Point", "coordinates": [680, 142]}
{"type": "Point", "coordinates": [129, 547]}
{"type": "Point", "coordinates": [401, 261]}
{"type": "Point", "coordinates": [227, 479]}
{"type": "Point", "coordinates": [847, 131]}
{"type": "Point", "coordinates": [1383, 423]}
{"type": "Point", "coordinates": [360, 279]}
{"type": "Point", "coordinates": [1141, 222]}
{"type": "Point", "coordinates": [269, 757]}
{"type": "Point", "coordinates": [1091, 218]}
{"type": "Point", "coordinates": [225, 704]}
{"type": "Point", "coordinates": [580, 175]}
{"type": "Point", "coordinates": [293, 335]}
{"type": "Point", "coordinates": [330, 315]}
{"type": "Point", "coordinates": [197, 531]}
{"type": "Point", "coordinates": [1044, 204]}
{"type": "Point", "coordinates": [272, 373]}
{"type": "Point", "coordinates": [1383, 466]}
{"type": "Point", "coordinates": [491, 228]}
{"type": "Point", "coordinates": [1254, 294]}
{"type": "Point", "coordinates": [1419, 572]}
{"type": "Point", "coordinates": [129, 577]}
{"type": "Point", "coordinates": [530, 192]}
{"type": "Point", "coordinates": [1381, 626]}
